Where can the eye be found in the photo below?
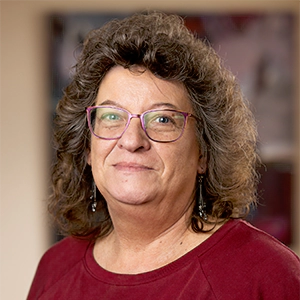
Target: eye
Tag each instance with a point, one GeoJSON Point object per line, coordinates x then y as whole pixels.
{"type": "Point", "coordinates": [163, 119]}
{"type": "Point", "coordinates": [110, 116]}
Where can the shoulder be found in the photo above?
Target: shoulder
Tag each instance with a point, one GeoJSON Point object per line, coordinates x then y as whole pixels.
{"type": "Point", "coordinates": [68, 247]}
{"type": "Point", "coordinates": [57, 261]}
{"type": "Point", "coordinates": [260, 244]}
{"type": "Point", "coordinates": [248, 259]}
{"type": "Point", "coordinates": [242, 241]}
{"type": "Point", "coordinates": [64, 253]}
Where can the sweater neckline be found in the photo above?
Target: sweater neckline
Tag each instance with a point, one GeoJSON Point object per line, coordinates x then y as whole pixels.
{"type": "Point", "coordinates": [134, 279]}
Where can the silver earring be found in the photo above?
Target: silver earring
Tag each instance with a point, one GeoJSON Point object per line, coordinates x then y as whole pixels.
{"type": "Point", "coordinates": [93, 198]}
{"type": "Point", "coordinates": [201, 204]}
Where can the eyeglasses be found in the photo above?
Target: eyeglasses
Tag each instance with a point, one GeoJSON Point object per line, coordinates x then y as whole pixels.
{"type": "Point", "coordinates": [160, 125]}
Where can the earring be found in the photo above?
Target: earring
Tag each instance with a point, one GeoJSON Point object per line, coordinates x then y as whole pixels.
{"type": "Point", "coordinates": [93, 198]}
{"type": "Point", "coordinates": [201, 204]}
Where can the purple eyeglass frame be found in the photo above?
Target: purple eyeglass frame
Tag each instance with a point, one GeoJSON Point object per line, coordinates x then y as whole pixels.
{"type": "Point", "coordinates": [139, 116]}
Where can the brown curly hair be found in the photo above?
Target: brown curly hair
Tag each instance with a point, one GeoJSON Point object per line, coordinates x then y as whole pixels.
{"type": "Point", "coordinates": [226, 130]}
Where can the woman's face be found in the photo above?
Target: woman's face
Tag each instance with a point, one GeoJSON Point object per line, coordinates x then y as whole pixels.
{"type": "Point", "coordinates": [135, 170]}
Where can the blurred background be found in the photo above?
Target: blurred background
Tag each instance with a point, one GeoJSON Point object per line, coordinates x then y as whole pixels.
{"type": "Point", "coordinates": [259, 42]}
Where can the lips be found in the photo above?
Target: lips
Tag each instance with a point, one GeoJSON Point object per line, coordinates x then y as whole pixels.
{"type": "Point", "coordinates": [131, 167]}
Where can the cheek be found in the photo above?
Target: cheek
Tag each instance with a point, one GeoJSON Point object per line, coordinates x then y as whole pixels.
{"type": "Point", "coordinates": [183, 159]}
{"type": "Point", "coordinates": [100, 150]}
{"type": "Point", "coordinates": [191, 156]}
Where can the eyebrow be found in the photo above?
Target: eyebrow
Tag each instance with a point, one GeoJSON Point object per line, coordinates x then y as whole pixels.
{"type": "Point", "coordinates": [108, 102]}
{"type": "Point", "coordinates": [169, 105]}
{"type": "Point", "coordinates": [155, 105]}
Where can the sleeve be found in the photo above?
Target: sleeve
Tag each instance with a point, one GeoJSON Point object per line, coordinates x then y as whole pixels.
{"type": "Point", "coordinates": [249, 264]}
{"type": "Point", "coordinates": [55, 263]}
{"type": "Point", "coordinates": [279, 277]}
{"type": "Point", "coordinates": [40, 279]}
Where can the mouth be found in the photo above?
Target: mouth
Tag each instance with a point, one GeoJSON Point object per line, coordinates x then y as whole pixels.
{"type": "Point", "coordinates": [131, 167]}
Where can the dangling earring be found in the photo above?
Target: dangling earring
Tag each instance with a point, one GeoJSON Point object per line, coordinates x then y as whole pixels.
{"type": "Point", "coordinates": [93, 198]}
{"type": "Point", "coordinates": [201, 204]}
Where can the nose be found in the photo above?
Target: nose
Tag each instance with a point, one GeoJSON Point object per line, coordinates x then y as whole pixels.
{"type": "Point", "coordinates": [134, 138]}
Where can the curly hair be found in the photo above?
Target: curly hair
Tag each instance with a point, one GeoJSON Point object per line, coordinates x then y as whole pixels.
{"type": "Point", "coordinates": [226, 129]}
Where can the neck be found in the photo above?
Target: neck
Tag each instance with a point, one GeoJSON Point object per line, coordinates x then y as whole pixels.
{"type": "Point", "coordinates": [142, 242]}
{"type": "Point", "coordinates": [142, 224]}
{"type": "Point", "coordinates": [141, 233]}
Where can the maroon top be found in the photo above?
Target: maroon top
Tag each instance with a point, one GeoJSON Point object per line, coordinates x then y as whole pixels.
{"type": "Point", "coordinates": [237, 262]}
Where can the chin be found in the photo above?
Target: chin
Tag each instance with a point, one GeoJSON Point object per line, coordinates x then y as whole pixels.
{"type": "Point", "coordinates": [132, 197]}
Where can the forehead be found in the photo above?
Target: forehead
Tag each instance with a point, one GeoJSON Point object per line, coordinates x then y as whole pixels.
{"type": "Point", "coordinates": [138, 87]}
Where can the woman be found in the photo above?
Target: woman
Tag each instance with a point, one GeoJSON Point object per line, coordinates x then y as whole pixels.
{"type": "Point", "coordinates": [156, 166]}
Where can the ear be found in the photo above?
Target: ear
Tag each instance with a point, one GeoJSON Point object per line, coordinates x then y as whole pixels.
{"type": "Point", "coordinates": [202, 165]}
{"type": "Point", "coordinates": [88, 157]}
